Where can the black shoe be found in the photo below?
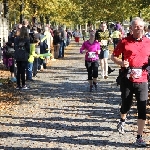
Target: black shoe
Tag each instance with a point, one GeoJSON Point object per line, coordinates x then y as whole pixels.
{"type": "Point", "coordinates": [34, 75]}
{"type": "Point", "coordinates": [110, 71]}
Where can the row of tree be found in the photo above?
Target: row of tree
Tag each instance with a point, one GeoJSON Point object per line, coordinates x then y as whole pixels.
{"type": "Point", "coordinates": [76, 11]}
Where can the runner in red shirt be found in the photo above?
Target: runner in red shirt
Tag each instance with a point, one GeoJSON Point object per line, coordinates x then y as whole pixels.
{"type": "Point", "coordinates": [135, 50]}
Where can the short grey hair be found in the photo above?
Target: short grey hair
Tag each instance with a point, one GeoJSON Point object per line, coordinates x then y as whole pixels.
{"type": "Point", "coordinates": [135, 19]}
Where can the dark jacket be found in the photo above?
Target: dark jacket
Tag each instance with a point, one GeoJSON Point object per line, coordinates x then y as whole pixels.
{"type": "Point", "coordinates": [42, 43]}
{"type": "Point", "coordinates": [56, 39]}
{"type": "Point", "coordinates": [27, 43]}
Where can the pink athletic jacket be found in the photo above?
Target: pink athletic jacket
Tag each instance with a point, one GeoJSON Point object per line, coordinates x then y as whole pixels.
{"type": "Point", "coordinates": [92, 54]}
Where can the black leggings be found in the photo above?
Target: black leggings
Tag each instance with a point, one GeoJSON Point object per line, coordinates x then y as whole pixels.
{"type": "Point", "coordinates": [92, 69]}
{"type": "Point", "coordinates": [21, 66]}
{"type": "Point", "coordinates": [141, 95]}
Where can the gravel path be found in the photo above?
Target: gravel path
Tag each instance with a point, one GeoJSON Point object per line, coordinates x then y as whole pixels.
{"type": "Point", "coordinates": [60, 114]}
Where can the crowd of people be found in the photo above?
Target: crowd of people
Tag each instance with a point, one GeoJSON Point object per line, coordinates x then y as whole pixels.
{"type": "Point", "coordinates": [102, 37]}
{"type": "Point", "coordinates": [42, 44]}
{"type": "Point", "coordinates": [134, 61]}
{"type": "Point", "coordinates": [46, 44]}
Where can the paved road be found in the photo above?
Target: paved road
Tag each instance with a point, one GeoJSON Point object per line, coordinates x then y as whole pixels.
{"type": "Point", "coordinates": [60, 114]}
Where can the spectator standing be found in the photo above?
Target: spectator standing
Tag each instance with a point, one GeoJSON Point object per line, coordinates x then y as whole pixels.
{"type": "Point", "coordinates": [118, 26]}
{"type": "Point", "coordinates": [49, 41]}
{"type": "Point", "coordinates": [32, 55]}
{"type": "Point", "coordinates": [61, 48]}
{"type": "Point", "coordinates": [69, 36]}
{"type": "Point", "coordinates": [148, 32]}
{"type": "Point", "coordinates": [56, 43]}
{"type": "Point", "coordinates": [84, 35]}
{"type": "Point", "coordinates": [116, 36]}
{"type": "Point", "coordinates": [36, 63]}
{"type": "Point", "coordinates": [21, 65]}
{"type": "Point", "coordinates": [77, 36]}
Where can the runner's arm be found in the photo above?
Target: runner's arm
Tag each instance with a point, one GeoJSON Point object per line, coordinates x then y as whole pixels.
{"type": "Point", "coordinates": [83, 48]}
{"type": "Point", "coordinates": [120, 62]}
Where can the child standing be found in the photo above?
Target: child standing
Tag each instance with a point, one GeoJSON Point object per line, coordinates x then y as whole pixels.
{"type": "Point", "coordinates": [32, 55]}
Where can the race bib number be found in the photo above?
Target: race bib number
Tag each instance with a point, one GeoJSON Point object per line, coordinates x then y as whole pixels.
{"type": "Point", "coordinates": [104, 42]}
{"type": "Point", "coordinates": [91, 55]}
{"type": "Point", "coordinates": [135, 73]}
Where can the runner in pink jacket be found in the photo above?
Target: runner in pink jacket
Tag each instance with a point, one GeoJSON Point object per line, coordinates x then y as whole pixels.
{"type": "Point", "coordinates": [91, 48]}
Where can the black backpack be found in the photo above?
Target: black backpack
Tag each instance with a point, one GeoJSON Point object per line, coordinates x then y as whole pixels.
{"type": "Point", "coordinates": [21, 53]}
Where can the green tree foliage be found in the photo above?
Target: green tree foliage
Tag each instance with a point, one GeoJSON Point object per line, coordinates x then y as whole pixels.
{"type": "Point", "coordinates": [79, 11]}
